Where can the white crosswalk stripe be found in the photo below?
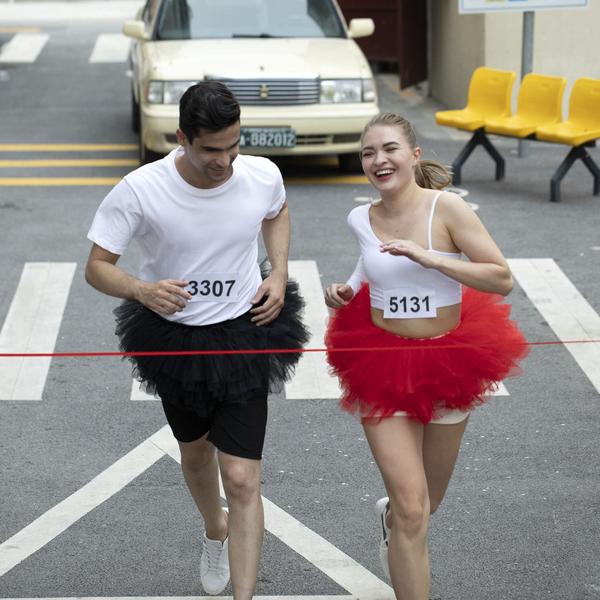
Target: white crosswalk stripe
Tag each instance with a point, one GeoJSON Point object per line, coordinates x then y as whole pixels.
{"type": "Point", "coordinates": [67, 12]}
{"type": "Point", "coordinates": [36, 312]}
{"type": "Point", "coordinates": [501, 391]}
{"type": "Point", "coordinates": [32, 326]}
{"type": "Point", "coordinates": [312, 379]}
{"type": "Point", "coordinates": [335, 564]}
{"type": "Point", "coordinates": [23, 48]}
{"type": "Point", "coordinates": [137, 393]}
{"type": "Point", "coordinates": [569, 314]}
{"type": "Point", "coordinates": [110, 48]}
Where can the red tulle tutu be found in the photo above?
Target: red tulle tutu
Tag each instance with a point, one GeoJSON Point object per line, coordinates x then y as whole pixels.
{"type": "Point", "coordinates": [455, 371]}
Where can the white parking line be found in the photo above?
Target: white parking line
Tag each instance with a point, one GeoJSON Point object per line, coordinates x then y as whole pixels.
{"type": "Point", "coordinates": [312, 379]}
{"type": "Point", "coordinates": [567, 312]}
{"type": "Point", "coordinates": [59, 518]}
{"type": "Point", "coordinates": [32, 325]}
{"type": "Point", "coordinates": [337, 565]}
{"type": "Point", "coordinates": [110, 48]}
{"type": "Point", "coordinates": [23, 47]}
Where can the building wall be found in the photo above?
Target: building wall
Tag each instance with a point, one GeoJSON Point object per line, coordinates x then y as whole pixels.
{"type": "Point", "coordinates": [457, 47]}
{"type": "Point", "coordinates": [566, 42]}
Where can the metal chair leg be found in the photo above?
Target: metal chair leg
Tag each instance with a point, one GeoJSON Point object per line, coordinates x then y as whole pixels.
{"type": "Point", "coordinates": [462, 157]}
{"type": "Point", "coordinates": [496, 156]}
{"type": "Point", "coordinates": [478, 138]}
{"type": "Point", "coordinates": [575, 153]}
{"type": "Point", "coordinates": [589, 162]}
{"type": "Point", "coordinates": [562, 170]}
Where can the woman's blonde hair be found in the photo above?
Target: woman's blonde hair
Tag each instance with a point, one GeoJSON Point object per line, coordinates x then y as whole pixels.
{"type": "Point", "coordinates": [428, 173]}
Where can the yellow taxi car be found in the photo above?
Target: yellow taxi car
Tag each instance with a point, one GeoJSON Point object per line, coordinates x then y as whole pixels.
{"type": "Point", "coordinates": [303, 84]}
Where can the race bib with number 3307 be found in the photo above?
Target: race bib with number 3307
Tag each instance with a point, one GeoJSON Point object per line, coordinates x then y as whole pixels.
{"type": "Point", "coordinates": [409, 303]}
{"type": "Point", "coordinates": [213, 287]}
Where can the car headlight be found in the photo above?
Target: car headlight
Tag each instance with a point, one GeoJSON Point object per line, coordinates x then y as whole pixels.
{"type": "Point", "coordinates": [335, 91]}
{"type": "Point", "coordinates": [166, 92]}
{"type": "Point", "coordinates": [154, 92]}
{"type": "Point", "coordinates": [369, 91]}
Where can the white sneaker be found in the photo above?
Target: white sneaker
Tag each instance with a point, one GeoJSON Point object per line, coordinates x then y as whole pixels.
{"type": "Point", "coordinates": [382, 506]}
{"type": "Point", "coordinates": [214, 565]}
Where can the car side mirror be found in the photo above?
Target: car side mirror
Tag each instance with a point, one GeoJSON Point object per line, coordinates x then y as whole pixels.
{"type": "Point", "coordinates": [135, 29]}
{"type": "Point", "coordinates": [361, 28]}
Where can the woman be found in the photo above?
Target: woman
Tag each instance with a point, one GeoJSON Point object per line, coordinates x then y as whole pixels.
{"type": "Point", "coordinates": [433, 349]}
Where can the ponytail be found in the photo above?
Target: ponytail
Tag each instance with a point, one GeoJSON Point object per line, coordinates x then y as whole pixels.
{"type": "Point", "coordinates": [432, 174]}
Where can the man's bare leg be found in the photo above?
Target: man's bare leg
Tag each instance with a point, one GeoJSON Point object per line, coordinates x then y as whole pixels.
{"type": "Point", "coordinates": [201, 473]}
{"type": "Point", "coordinates": [241, 480]}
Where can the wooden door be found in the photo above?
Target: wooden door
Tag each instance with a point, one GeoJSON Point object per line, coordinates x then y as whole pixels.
{"type": "Point", "coordinates": [400, 34]}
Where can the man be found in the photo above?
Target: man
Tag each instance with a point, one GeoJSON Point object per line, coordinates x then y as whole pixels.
{"type": "Point", "coordinates": [196, 215]}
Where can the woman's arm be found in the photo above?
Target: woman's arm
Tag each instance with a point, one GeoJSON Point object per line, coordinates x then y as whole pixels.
{"type": "Point", "coordinates": [487, 270]}
{"type": "Point", "coordinates": [339, 294]}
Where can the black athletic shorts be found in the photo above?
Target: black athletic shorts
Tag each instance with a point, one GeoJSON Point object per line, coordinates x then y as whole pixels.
{"type": "Point", "coordinates": [234, 428]}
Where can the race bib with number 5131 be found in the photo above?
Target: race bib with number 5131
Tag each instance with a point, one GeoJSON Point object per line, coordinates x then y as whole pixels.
{"type": "Point", "coordinates": [409, 303]}
{"type": "Point", "coordinates": [212, 287]}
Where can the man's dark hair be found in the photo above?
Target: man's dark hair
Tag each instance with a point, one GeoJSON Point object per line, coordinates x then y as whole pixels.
{"type": "Point", "coordinates": [207, 106]}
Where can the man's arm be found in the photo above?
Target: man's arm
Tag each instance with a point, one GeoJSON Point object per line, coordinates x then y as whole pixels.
{"type": "Point", "coordinates": [276, 235]}
{"type": "Point", "coordinates": [101, 272]}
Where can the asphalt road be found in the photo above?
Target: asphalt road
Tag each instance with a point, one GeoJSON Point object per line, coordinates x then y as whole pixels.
{"type": "Point", "coordinates": [521, 520]}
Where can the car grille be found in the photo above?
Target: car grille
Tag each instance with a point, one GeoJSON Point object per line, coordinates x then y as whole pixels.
{"type": "Point", "coordinates": [274, 92]}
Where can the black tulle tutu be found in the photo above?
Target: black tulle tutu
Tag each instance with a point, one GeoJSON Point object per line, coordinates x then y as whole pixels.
{"type": "Point", "coordinates": [197, 383]}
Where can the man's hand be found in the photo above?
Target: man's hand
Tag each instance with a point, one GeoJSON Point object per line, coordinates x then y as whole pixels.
{"type": "Point", "coordinates": [338, 295]}
{"type": "Point", "coordinates": [273, 288]}
{"type": "Point", "coordinates": [166, 297]}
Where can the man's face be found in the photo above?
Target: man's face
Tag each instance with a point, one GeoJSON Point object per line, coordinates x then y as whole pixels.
{"type": "Point", "coordinates": [210, 156]}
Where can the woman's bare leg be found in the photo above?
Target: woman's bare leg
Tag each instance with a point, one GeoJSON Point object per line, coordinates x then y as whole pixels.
{"type": "Point", "coordinates": [397, 444]}
{"type": "Point", "coordinates": [441, 444]}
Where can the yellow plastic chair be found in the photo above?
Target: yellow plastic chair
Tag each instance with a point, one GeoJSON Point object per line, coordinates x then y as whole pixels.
{"type": "Point", "coordinates": [489, 96]}
{"type": "Point", "coordinates": [490, 92]}
{"type": "Point", "coordinates": [583, 122]}
{"type": "Point", "coordinates": [580, 129]}
{"type": "Point", "coordinates": [539, 103]}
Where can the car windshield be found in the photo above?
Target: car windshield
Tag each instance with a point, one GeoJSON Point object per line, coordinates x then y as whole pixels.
{"type": "Point", "coordinates": [200, 19]}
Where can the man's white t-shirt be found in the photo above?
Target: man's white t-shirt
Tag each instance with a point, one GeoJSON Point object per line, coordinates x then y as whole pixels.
{"type": "Point", "coordinates": [207, 237]}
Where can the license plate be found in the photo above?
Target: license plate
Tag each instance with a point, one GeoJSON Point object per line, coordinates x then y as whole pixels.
{"type": "Point", "coordinates": [267, 137]}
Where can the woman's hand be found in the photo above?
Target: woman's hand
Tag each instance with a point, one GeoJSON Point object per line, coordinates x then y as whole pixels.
{"type": "Point", "coordinates": [409, 249]}
{"type": "Point", "coordinates": [338, 295]}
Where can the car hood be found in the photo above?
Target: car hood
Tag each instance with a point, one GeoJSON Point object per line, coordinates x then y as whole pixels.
{"type": "Point", "coordinates": [250, 58]}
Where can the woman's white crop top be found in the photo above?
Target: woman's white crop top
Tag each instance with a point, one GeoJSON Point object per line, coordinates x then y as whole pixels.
{"type": "Point", "coordinates": [383, 271]}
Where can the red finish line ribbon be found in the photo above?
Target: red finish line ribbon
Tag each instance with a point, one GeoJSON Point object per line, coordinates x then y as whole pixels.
{"type": "Point", "coordinates": [265, 351]}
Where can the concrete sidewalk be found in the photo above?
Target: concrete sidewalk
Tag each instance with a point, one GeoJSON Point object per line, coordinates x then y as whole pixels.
{"type": "Point", "coordinates": [444, 143]}
{"type": "Point", "coordinates": [417, 106]}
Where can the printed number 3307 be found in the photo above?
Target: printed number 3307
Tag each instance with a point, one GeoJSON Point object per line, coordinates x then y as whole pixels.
{"type": "Point", "coordinates": [207, 287]}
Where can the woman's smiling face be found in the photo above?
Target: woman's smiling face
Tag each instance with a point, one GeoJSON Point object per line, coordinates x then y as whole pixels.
{"type": "Point", "coordinates": [387, 158]}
